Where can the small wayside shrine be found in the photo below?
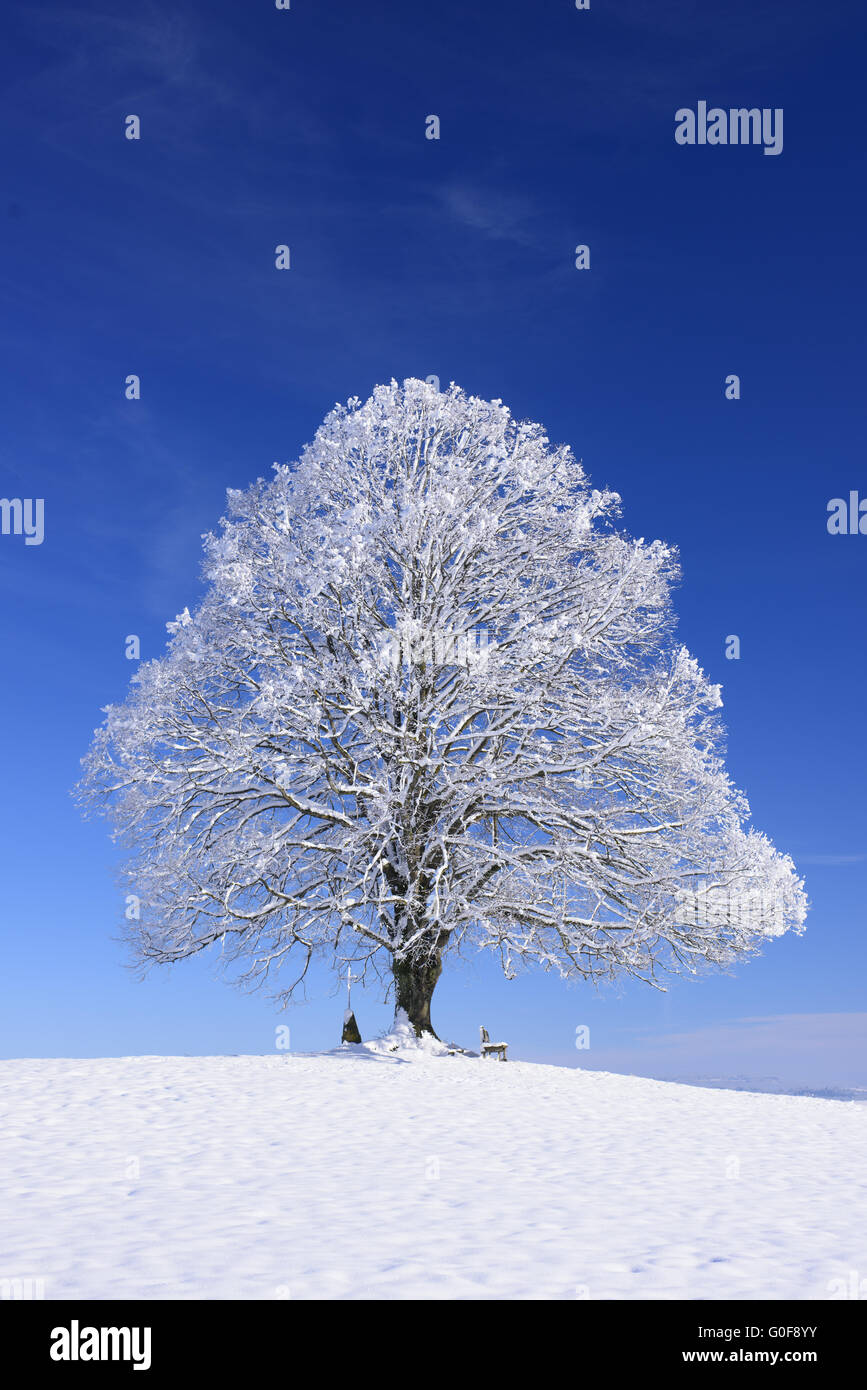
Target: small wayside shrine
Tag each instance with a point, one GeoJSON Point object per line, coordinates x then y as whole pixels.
{"type": "Point", "coordinates": [351, 1032]}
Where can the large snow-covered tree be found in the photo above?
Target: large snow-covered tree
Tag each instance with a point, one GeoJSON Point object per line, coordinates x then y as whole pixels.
{"type": "Point", "coordinates": [432, 699]}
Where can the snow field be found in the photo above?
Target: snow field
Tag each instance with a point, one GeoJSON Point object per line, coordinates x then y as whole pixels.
{"type": "Point", "coordinates": [360, 1174]}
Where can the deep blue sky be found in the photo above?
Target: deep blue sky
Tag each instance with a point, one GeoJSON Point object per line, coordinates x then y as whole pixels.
{"type": "Point", "coordinates": [453, 257]}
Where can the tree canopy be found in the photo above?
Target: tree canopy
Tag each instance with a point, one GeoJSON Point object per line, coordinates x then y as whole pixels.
{"type": "Point", "coordinates": [432, 699]}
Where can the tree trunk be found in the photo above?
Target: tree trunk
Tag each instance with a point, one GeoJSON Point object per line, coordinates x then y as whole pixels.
{"type": "Point", "coordinates": [414, 980]}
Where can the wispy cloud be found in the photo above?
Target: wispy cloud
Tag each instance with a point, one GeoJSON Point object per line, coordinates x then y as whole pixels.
{"type": "Point", "coordinates": [818, 1049]}
{"type": "Point", "coordinates": [498, 215]}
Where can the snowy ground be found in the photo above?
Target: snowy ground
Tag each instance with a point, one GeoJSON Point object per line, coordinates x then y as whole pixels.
{"type": "Point", "coordinates": [384, 1176]}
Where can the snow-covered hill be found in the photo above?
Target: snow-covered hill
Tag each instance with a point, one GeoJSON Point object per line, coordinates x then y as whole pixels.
{"type": "Point", "coordinates": [376, 1174]}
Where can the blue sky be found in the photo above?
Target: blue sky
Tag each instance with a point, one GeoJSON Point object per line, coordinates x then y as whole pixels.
{"type": "Point", "coordinates": [453, 257]}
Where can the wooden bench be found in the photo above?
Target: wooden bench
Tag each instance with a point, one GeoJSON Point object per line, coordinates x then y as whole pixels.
{"type": "Point", "coordinates": [490, 1049]}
